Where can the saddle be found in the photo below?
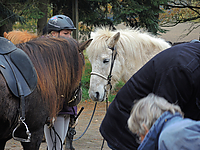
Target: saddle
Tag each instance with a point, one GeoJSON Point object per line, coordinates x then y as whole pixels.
{"type": "Point", "coordinates": [17, 69]}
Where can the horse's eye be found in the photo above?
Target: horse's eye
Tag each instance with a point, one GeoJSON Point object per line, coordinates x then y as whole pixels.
{"type": "Point", "coordinates": [106, 61]}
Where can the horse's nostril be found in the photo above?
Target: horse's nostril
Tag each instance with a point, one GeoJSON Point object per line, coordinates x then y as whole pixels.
{"type": "Point", "coordinates": [97, 95]}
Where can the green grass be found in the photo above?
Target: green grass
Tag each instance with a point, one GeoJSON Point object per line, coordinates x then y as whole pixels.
{"type": "Point", "coordinates": [86, 80]}
{"type": "Point", "coordinates": [86, 83]}
{"type": "Point", "coordinates": [112, 95]}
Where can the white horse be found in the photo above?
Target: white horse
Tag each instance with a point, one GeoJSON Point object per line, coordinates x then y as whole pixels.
{"type": "Point", "coordinates": [134, 48]}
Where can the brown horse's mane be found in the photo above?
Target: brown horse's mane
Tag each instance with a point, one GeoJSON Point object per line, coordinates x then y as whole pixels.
{"type": "Point", "coordinates": [17, 37]}
{"type": "Point", "coordinates": [59, 68]}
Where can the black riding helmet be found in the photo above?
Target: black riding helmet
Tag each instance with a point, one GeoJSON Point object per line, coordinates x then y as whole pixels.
{"type": "Point", "coordinates": [60, 22]}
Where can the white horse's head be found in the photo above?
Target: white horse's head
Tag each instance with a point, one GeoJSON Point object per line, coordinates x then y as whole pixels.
{"type": "Point", "coordinates": [100, 56]}
{"type": "Point", "coordinates": [133, 50]}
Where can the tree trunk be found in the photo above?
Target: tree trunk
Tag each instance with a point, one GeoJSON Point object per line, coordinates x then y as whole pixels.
{"type": "Point", "coordinates": [5, 17]}
{"type": "Point", "coordinates": [43, 6]}
{"type": "Point", "coordinates": [5, 28]}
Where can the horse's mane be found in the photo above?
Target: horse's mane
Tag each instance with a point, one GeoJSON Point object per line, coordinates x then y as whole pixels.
{"type": "Point", "coordinates": [17, 37]}
{"type": "Point", "coordinates": [133, 44]}
{"type": "Point", "coordinates": [59, 68]}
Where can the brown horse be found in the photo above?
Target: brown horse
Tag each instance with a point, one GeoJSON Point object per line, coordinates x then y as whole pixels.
{"type": "Point", "coordinates": [17, 37]}
{"type": "Point", "coordinates": [59, 65]}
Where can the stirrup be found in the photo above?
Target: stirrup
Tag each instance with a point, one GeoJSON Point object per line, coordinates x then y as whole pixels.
{"type": "Point", "coordinates": [21, 121]}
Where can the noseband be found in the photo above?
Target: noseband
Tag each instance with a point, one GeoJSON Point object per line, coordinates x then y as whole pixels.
{"type": "Point", "coordinates": [114, 54]}
{"type": "Point", "coordinates": [100, 75]}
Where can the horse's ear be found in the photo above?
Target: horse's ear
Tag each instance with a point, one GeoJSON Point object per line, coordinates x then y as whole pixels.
{"type": "Point", "coordinates": [113, 40]}
{"type": "Point", "coordinates": [5, 34]}
{"type": "Point", "coordinates": [84, 45]}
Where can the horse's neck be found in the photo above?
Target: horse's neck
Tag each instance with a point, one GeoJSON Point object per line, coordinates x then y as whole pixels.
{"type": "Point", "coordinates": [135, 57]}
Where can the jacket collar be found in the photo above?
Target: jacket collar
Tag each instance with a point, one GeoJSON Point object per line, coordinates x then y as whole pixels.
{"type": "Point", "coordinates": [151, 139]}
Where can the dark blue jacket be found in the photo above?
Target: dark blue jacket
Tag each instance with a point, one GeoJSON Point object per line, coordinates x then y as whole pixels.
{"type": "Point", "coordinates": [173, 74]}
{"type": "Point", "coordinates": [172, 132]}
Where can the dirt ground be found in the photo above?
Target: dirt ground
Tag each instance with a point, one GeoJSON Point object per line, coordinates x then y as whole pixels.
{"type": "Point", "coordinates": [91, 140]}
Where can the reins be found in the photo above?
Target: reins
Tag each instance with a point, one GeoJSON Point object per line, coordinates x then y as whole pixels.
{"type": "Point", "coordinates": [88, 123]}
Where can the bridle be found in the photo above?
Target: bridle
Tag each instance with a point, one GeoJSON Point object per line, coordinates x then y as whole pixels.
{"type": "Point", "coordinates": [108, 78]}
{"type": "Point", "coordinates": [114, 54]}
{"type": "Point", "coordinates": [75, 95]}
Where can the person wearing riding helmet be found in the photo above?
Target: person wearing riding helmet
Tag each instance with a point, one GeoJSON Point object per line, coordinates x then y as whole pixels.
{"type": "Point", "coordinates": [60, 26]}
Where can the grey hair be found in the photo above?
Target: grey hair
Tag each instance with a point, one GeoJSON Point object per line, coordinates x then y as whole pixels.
{"type": "Point", "coordinates": [147, 110]}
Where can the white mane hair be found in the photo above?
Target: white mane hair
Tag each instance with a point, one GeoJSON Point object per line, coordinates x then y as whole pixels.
{"type": "Point", "coordinates": [134, 48]}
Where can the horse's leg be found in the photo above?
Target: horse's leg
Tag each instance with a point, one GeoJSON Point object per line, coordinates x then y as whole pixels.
{"type": "Point", "coordinates": [2, 144]}
{"type": "Point", "coordinates": [36, 140]}
{"type": "Point", "coordinates": [9, 105]}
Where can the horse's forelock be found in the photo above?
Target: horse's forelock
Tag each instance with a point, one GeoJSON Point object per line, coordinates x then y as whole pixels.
{"type": "Point", "coordinates": [98, 44]}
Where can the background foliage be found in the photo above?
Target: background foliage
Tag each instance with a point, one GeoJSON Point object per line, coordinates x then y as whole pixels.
{"type": "Point", "coordinates": [32, 15]}
{"type": "Point", "coordinates": [134, 13]}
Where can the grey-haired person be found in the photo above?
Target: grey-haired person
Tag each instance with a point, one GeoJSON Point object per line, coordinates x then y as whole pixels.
{"type": "Point", "coordinates": [160, 125]}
